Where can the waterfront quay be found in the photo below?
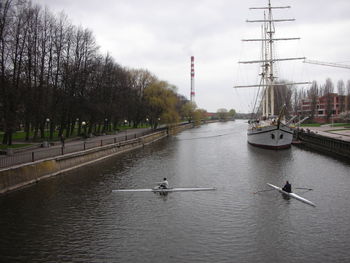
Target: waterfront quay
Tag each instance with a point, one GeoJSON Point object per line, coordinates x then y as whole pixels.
{"type": "Point", "coordinates": [39, 151]}
{"type": "Point", "coordinates": [327, 139]}
{"type": "Point", "coordinates": [338, 133]}
{"type": "Point", "coordinates": [72, 156]}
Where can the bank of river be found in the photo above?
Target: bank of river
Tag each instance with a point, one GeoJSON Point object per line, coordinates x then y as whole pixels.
{"type": "Point", "coordinates": [335, 142]}
{"type": "Point", "coordinates": [28, 173]}
{"type": "Point", "coordinates": [74, 217]}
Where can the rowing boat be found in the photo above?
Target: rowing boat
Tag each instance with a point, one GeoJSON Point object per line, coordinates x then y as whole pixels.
{"type": "Point", "coordinates": [302, 199]}
{"type": "Point", "coordinates": [159, 190]}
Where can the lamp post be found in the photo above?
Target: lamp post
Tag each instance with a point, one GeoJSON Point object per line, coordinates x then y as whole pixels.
{"type": "Point", "coordinates": [84, 127]}
{"type": "Point", "coordinates": [47, 128]}
{"type": "Point", "coordinates": [106, 125]}
{"type": "Point", "coordinates": [126, 131]}
{"type": "Point", "coordinates": [46, 133]}
{"type": "Point", "coordinates": [332, 119]}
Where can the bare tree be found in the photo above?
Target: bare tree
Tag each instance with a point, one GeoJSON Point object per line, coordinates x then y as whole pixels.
{"type": "Point", "coordinates": [6, 21]}
{"type": "Point", "coordinates": [295, 102]}
{"type": "Point", "coordinates": [283, 96]}
{"type": "Point", "coordinates": [11, 92]}
{"type": "Point", "coordinates": [328, 93]}
{"type": "Point", "coordinates": [51, 72]}
{"type": "Point", "coordinates": [313, 96]}
{"type": "Point", "coordinates": [341, 93]}
{"type": "Point", "coordinates": [60, 46]}
{"type": "Point", "coordinates": [140, 80]}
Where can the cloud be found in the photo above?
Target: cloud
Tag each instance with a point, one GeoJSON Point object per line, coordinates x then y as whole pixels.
{"type": "Point", "coordinates": [161, 35]}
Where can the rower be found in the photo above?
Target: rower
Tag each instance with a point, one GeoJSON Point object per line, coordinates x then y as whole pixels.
{"type": "Point", "coordinates": [164, 184]}
{"type": "Point", "coordinates": [287, 187]}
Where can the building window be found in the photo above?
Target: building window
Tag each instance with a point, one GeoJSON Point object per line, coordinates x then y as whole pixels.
{"type": "Point", "coordinates": [272, 136]}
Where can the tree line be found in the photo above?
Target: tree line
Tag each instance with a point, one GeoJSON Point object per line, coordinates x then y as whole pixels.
{"type": "Point", "coordinates": [53, 77]}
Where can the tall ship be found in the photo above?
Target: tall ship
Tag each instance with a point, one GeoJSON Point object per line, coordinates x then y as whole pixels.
{"type": "Point", "coordinates": [267, 127]}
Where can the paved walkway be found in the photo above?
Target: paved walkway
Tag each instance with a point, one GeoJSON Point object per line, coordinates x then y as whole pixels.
{"type": "Point", "coordinates": [72, 145]}
{"type": "Point", "coordinates": [130, 133]}
{"type": "Point", "coordinates": [339, 133]}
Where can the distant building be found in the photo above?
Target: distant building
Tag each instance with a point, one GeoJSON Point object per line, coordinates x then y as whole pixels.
{"type": "Point", "coordinates": [211, 115]}
{"type": "Point", "coordinates": [320, 114]}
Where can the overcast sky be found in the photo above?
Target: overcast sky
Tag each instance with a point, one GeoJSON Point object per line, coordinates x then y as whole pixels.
{"type": "Point", "coordinates": [162, 35]}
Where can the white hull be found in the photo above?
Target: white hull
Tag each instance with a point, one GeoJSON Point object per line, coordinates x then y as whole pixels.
{"type": "Point", "coordinates": [302, 199]}
{"type": "Point", "coordinates": [157, 190]}
{"type": "Point", "coordinates": [271, 136]}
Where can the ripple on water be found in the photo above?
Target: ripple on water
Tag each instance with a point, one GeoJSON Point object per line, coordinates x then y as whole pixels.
{"type": "Point", "coordinates": [76, 218]}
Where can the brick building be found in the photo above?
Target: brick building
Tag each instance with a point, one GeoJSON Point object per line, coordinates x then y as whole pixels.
{"type": "Point", "coordinates": [333, 100]}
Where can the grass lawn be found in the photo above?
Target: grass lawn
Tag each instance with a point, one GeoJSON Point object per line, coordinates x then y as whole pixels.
{"type": "Point", "coordinates": [345, 125]}
{"type": "Point", "coordinates": [19, 136]}
{"type": "Point", "coordinates": [14, 146]}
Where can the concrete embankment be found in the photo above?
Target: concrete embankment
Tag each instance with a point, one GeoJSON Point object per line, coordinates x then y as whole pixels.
{"type": "Point", "coordinates": [326, 144]}
{"type": "Point", "coordinates": [22, 175]}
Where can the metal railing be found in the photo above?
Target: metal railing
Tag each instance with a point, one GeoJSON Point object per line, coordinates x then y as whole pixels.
{"type": "Point", "coordinates": [72, 147]}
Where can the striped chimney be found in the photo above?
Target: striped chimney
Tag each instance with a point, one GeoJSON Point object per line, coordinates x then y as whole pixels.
{"type": "Point", "coordinates": [192, 79]}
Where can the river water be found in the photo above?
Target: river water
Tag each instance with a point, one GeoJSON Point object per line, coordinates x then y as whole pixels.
{"type": "Point", "coordinates": [76, 218]}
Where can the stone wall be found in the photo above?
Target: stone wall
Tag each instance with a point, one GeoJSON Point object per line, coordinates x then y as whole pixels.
{"type": "Point", "coordinates": [325, 144]}
{"type": "Point", "coordinates": [22, 175]}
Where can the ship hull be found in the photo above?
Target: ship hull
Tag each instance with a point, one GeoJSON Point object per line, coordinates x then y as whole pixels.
{"type": "Point", "coordinates": [270, 137]}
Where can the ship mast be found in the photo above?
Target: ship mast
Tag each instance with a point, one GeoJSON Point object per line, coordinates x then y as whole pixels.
{"type": "Point", "coordinates": [271, 77]}
{"type": "Point", "coordinates": [267, 61]}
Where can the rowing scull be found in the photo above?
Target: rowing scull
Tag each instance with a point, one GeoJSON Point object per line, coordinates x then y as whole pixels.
{"type": "Point", "coordinates": [302, 199]}
{"type": "Point", "coordinates": [159, 190]}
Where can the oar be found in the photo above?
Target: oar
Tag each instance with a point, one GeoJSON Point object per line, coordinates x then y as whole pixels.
{"type": "Point", "coordinates": [304, 188]}
{"type": "Point", "coordinates": [263, 191]}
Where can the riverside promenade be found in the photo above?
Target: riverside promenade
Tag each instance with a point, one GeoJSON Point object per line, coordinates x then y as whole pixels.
{"type": "Point", "coordinates": [20, 169]}
{"type": "Point", "coordinates": [26, 168]}
{"type": "Point", "coordinates": [56, 148]}
{"type": "Point", "coordinates": [339, 133]}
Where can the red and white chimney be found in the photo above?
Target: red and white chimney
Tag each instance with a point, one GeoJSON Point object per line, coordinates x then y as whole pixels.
{"type": "Point", "coordinates": [192, 79]}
